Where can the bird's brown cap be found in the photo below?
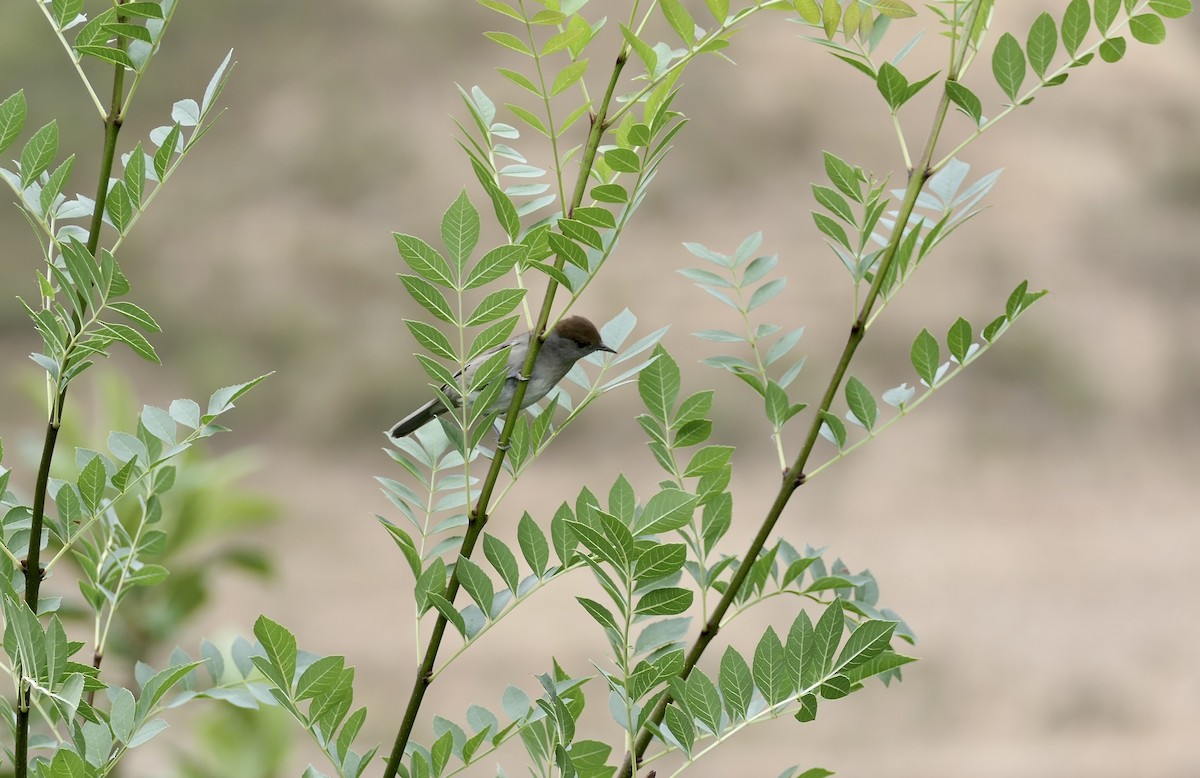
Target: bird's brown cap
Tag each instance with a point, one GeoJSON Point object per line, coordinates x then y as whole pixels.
{"type": "Point", "coordinates": [583, 332]}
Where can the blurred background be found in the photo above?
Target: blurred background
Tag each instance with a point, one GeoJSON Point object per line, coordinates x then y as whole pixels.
{"type": "Point", "coordinates": [1036, 524]}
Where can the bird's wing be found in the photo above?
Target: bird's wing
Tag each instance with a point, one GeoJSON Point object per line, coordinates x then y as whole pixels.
{"type": "Point", "coordinates": [515, 358]}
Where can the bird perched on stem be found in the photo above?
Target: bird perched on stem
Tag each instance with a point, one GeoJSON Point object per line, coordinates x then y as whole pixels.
{"type": "Point", "coordinates": [571, 340]}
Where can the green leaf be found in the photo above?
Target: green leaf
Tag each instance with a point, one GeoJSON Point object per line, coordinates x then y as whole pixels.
{"type": "Point", "coordinates": [595, 217]}
{"type": "Point", "coordinates": [832, 230]}
{"type": "Point", "coordinates": [1106, 14]}
{"type": "Point", "coordinates": [659, 561]}
{"type": "Point", "coordinates": [868, 640]}
{"type": "Point", "coordinates": [1113, 49]}
{"type": "Point", "coordinates": [777, 404]}
{"type": "Point", "coordinates": [568, 249]}
{"type": "Point", "coordinates": [562, 536]}
{"type": "Point", "coordinates": [522, 81]}
{"type": "Point", "coordinates": [1147, 28]}
{"type": "Point", "coordinates": [65, 11]}
{"type": "Point", "coordinates": [581, 233]}
{"type": "Point", "coordinates": [765, 293]}
{"type": "Point", "coordinates": [861, 402]}
{"type": "Point", "coordinates": [844, 177]}
{"type": "Point", "coordinates": [600, 614]}
{"type": "Point", "coordinates": [106, 54]}
{"type": "Point", "coordinates": [496, 305]}
{"type": "Point", "coordinates": [925, 356]}
{"type": "Point", "coordinates": [668, 601]}
{"type": "Point", "coordinates": [429, 582]}
{"type": "Point", "coordinates": [145, 10]}
{"type": "Point", "coordinates": [959, 339]}
{"type": "Point", "coordinates": [815, 772]}
{"type": "Point", "coordinates": [798, 650]}
{"type": "Point", "coordinates": [1012, 307]}
{"type": "Point", "coordinates": [894, 9]}
{"type": "Point", "coordinates": [681, 727]}
{"type": "Point", "coordinates": [666, 511]}
{"type": "Point", "coordinates": [495, 264]}
{"type": "Point", "coordinates": [892, 85]}
{"type": "Point", "coordinates": [658, 385]}
{"type": "Point", "coordinates": [147, 575]}
{"type": "Point", "coordinates": [880, 663]}
{"type": "Point", "coordinates": [719, 9]}
{"type": "Point", "coordinates": [809, 11]}
{"type": "Point", "coordinates": [159, 424]}
{"type": "Point", "coordinates": [431, 338]}
{"type": "Point", "coordinates": [428, 296]}
{"type": "Point", "coordinates": [53, 187]}
{"type": "Point", "coordinates": [121, 715]}
{"type": "Point", "coordinates": [280, 647]}
{"type": "Point", "coordinates": [424, 259]}
{"type": "Point", "coordinates": [835, 688]}
{"type": "Point", "coordinates": [703, 700]}
{"type": "Point", "coordinates": [1075, 24]}
{"type": "Point", "coordinates": [1008, 65]}
{"type": "Point", "coordinates": [808, 708]}
{"type": "Point", "coordinates": [770, 669]}
{"type": "Point", "coordinates": [119, 206]}
{"type": "Point", "coordinates": [1172, 9]}
{"type": "Point", "coordinates": [448, 610]}
{"type": "Point", "coordinates": [568, 76]}
{"type": "Point", "coordinates": [623, 160]}
{"type": "Point", "coordinates": [460, 229]}
{"type": "Point", "coordinates": [502, 8]}
{"type": "Point", "coordinates": [641, 48]}
{"type": "Point", "coordinates": [135, 314]}
{"type": "Point", "coordinates": [477, 583]}
{"type": "Point", "coordinates": [836, 428]}
{"type": "Point", "coordinates": [39, 152]}
{"type": "Point", "coordinates": [162, 157]}
{"type": "Point", "coordinates": [132, 338]}
{"type": "Point", "coordinates": [1042, 43]}
{"type": "Point", "coordinates": [707, 460]}
{"type": "Point", "coordinates": [833, 202]}
{"type": "Point", "coordinates": [831, 15]}
{"type": "Point", "coordinates": [506, 212]}
{"type": "Point", "coordinates": [736, 684]}
{"type": "Point", "coordinates": [509, 41]}
{"type": "Point", "coordinates": [222, 399]}
{"type": "Point", "coordinates": [679, 19]}
{"type": "Point", "coordinates": [91, 484]}
{"type": "Point", "coordinates": [12, 118]}
{"type": "Point", "coordinates": [826, 635]}
{"type": "Point", "coordinates": [610, 193]}
{"type": "Point", "coordinates": [966, 100]}
{"type": "Point", "coordinates": [132, 31]}
{"type": "Point", "coordinates": [504, 561]}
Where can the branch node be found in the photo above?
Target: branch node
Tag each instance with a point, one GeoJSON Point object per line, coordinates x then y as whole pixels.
{"type": "Point", "coordinates": [25, 570]}
{"type": "Point", "coordinates": [801, 480]}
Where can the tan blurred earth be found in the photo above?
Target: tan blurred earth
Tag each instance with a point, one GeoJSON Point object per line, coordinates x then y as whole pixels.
{"type": "Point", "coordinates": [1036, 524]}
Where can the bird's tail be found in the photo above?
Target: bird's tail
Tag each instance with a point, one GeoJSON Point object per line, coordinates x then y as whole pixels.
{"type": "Point", "coordinates": [417, 419]}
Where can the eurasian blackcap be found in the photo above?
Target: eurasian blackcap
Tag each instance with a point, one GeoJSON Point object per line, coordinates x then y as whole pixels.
{"type": "Point", "coordinates": [572, 339]}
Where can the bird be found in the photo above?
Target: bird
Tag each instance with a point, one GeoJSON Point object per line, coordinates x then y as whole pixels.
{"type": "Point", "coordinates": [572, 339]}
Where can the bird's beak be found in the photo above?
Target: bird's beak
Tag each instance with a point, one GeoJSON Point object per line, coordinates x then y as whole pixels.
{"type": "Point", "coordinates": [609, 349]}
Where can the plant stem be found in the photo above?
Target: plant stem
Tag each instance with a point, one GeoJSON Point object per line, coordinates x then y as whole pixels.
{"type": "Point", "coordinates": [33, 583]}
{"type": "Point", "coordinates": [479, 515]}
{"type": "Point", "coordinates": [795, 476]}
{"type": "Point", "coordinates": [33, 571]}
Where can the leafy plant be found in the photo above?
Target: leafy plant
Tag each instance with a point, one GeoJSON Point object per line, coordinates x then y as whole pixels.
{"type": "Point", "coordinates": [670, 587]}
{"type": "Point", "coordinates": [107, 517]}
